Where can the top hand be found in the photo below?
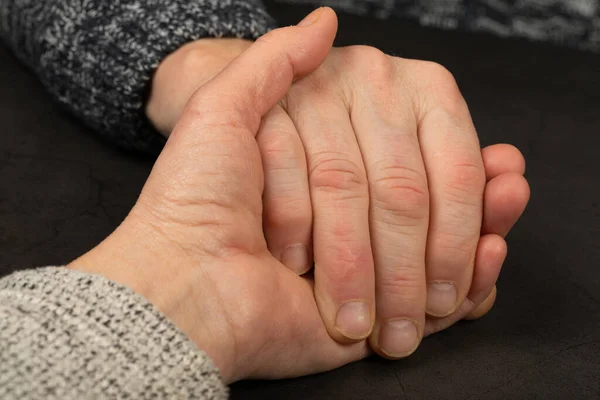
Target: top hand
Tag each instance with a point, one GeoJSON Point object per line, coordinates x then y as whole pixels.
{"type": "Point", "coordinates": [376, 158]}
{"type": "Point", "coordinates": [394, 185]}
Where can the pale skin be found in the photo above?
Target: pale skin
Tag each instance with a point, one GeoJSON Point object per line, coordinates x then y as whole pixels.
{"type": "Point", "coordinates": [373, 159]}
{"type": "Point", "coordinates": [194, 244]}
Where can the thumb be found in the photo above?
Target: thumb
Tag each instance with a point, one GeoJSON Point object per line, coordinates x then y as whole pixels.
{"type": "Point", "coordinates": [255, 81]}
{"type": "Point", "coordinates": [211, 163]}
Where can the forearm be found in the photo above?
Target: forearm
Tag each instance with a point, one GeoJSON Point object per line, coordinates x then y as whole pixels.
{"type": "Point", "coordinates": [67, 334]}
{"type": "Point", "coordinates": [97, 58]}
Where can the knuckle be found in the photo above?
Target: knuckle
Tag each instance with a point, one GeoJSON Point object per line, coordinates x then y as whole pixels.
{"type": "Point", "coordinates": [465, 181]}
{"type": "Point", "coordinates": [442, 87]}
{"type": "Point", "coordinates": [336, 172]}
{"type": "Point", "coordinates": [191, 59]}
{"type": "Point", "coordinates": [370, 62]}
{"type": "Point", "coordinates": [359, 53]}
{"type": "Point", "coordinates": [437, 73]}
{"type": "Point", "coordinates": [400, 189]}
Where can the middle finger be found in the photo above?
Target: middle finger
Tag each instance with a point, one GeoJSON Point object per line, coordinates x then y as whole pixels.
{"type": "Point", "coordinates": [399, 214]}
{"type": "Point", "coordinates": [344, 272]}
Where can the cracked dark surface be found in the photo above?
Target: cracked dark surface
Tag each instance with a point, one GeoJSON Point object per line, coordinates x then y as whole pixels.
{"type": "Point", "coordinates": [62, 191]}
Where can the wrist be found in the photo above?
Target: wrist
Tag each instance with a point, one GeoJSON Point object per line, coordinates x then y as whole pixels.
{"type": "Point", "coordinates": [181, 73]}
{"type": "Point", "coordinates": [139, 257]}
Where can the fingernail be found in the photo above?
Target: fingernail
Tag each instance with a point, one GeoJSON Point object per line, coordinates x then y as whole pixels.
{"type": "Point", "coordinates": [354, 320]}
{"type": "Point", "coordinates": [312, 17]}
{"type": "Point", "coordinates": [441, 298]}
{"type": "Point", "coordinates": [295, 257]}
{"type": "Point", "coordinates": [398, 338]}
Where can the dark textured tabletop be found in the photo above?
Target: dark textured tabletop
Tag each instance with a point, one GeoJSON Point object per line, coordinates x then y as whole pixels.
{"type": "Point", "coordinates": [62, 191]}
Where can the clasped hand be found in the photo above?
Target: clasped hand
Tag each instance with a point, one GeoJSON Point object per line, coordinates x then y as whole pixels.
{"type": "Point", "coordinates": [368, 165]}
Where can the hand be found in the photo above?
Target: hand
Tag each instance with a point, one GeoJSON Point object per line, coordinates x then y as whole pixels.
{"type": "Point", "coordinates": [193, 243]}
{"type": "Point", "coordinates": [288, 209]}
{"type": "Point", "coordinates": [375, 160]}
{"type": "Point", "coordinates": [183, 72]}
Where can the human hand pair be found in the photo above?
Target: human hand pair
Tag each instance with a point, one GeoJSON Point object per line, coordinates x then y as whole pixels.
{"type": "Point", "coordinates": [374, 160]}
{"type": "Point", "coordinates": [194, 243]}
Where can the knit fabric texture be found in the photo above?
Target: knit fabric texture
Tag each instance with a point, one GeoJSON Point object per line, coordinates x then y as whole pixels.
{"type": "Point", "coordinates": [65, 334]}
{"type": "Point", "coordinates": [97, 57]}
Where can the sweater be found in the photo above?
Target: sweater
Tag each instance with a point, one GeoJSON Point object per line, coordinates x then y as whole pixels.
{"type": "Point", "coordinates": [96, 57]}
{"type": "Point", "coordinates": [67, 335]}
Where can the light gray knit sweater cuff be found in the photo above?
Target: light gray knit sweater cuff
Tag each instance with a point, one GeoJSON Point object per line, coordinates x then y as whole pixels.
{"type": "Point", "coordinates": [69, 335]}
{"type": "Point", "coordinates": [97, 57]}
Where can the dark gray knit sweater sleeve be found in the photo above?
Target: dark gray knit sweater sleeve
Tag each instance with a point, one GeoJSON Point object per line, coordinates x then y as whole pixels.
{"type": "Point", "coordinates": [68, 335]}
{"type": "Point", "coordinates": [97, 57]}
